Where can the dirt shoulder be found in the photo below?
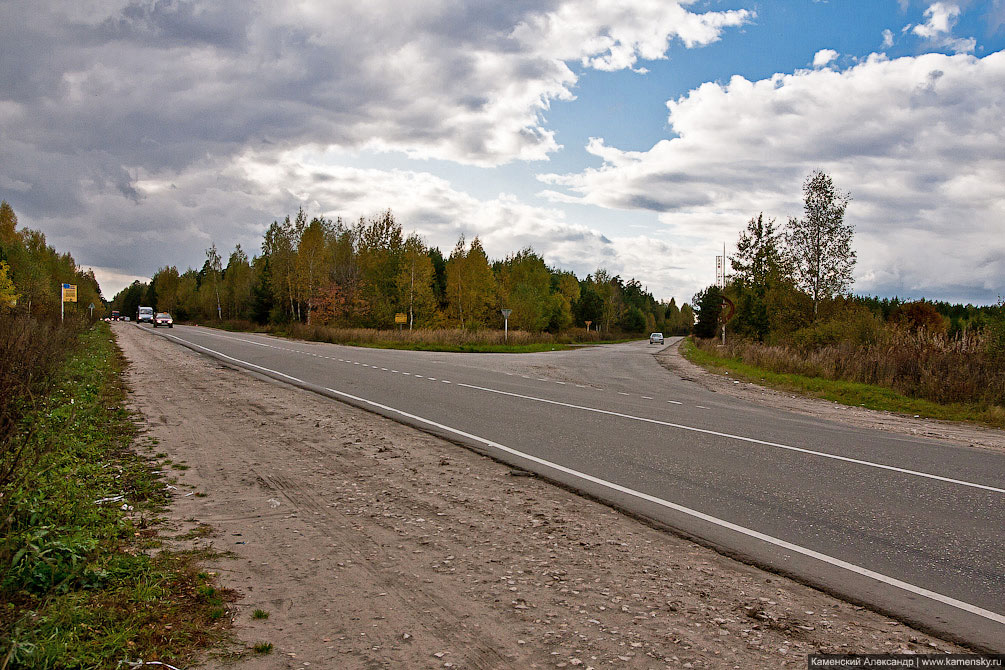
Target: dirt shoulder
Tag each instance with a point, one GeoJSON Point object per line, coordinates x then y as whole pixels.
{"type": "Point", "coordinates": [959, 433]}
{"type": "Point", "coordinates": [374, 545]}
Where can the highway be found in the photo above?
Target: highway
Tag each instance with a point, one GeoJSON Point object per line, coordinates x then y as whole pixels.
{"type": "Point", "coordinates": [911, 527]}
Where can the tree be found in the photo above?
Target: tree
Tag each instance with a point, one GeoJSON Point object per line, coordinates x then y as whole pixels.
{"type": "Point", "coordinates": [8, 297]}
{"type": "Point", "coordinates": [8, 223]}
{"type": "Point", "coordinates": [525, 287]}
{"type": "Point", "coordinates": [214, 266]}
{"type": "Point", "coordinates": [471, 287]}
{"type": "Point", "coordinates": [237, 284]}
{"type": "Point", "coordinates": [166, 283]}
{"type": "Point", "coordinates": [311, 262]}
{"type": "Point", "coordinates": [819, 245]}
{"type": "Point", "coordinates": [415, 282]}
{"type": "Point", "coordinates": [708, 302]}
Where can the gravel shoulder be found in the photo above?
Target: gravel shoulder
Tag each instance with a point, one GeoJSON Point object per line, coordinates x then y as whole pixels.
{"type": "Point", "coordinates": [374, 545]}
{"type": "Point", "coordinates": [949, 431]}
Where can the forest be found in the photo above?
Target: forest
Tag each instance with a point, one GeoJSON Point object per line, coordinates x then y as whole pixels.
{"type": "Point", "coordinates": [331, 273]}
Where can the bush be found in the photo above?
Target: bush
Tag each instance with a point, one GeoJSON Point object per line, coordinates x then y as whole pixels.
{"type": "Point", "coordinates": [30, 353]}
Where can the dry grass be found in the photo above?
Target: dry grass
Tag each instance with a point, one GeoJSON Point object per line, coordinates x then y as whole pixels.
{"type": "Point", "coordinates": [922, 365]}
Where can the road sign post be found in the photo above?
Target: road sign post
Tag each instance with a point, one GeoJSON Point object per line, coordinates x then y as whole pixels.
{"type": "Point", "coordinates": [588, 326]}
{"type": "Point", "coordinates": [67, 293]}
{"type": "Point", "coordinates": [400, 318]}
{"type": "Point", "coordinates": [506, 313]}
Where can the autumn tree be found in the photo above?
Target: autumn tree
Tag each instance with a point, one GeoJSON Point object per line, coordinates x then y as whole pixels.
{"type": "Point", "coordinates": [414, 282]}
{"type": "Point", "coordinates": [819, 244]}
{"type": "Point", "coordinates": [8, 223]}
{"type": "Point", "coordinates": [312, 262]}
{"type": "Point", "coordinates": [8, 296]}
{"type": "Point", "coordinates": [471, 289]}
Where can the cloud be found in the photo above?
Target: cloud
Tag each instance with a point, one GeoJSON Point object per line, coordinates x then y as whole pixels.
{"type": "Point", "coordinates": [887, 38]}
{"type": "Point", "coordinates": [101, 98]}
{"type": "Point", "coordinates": [823, 57]}
{"type": "Point", "coordinates": [941, 18]}
{"type": "Point", "coordinates": [917, 141]}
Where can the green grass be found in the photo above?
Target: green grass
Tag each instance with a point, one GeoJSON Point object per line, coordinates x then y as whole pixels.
{"type": "Point", "coordinates": [843, 392]}
{"type": "Point", "coordinates": [77, 586]}
{"type": "Point", "coordinates": [263, 648]}
{"type": "Point", "coordinates": [260, 614]}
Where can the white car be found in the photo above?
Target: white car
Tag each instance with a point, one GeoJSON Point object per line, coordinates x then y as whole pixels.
{"type": "Point", "coordinates": [163, 319]}
{"type": "Point", "coordinates": [656, 338]}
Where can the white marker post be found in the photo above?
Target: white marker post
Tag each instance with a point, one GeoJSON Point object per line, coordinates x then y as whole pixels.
{"type": "Point", "coordinates": [506, 313]}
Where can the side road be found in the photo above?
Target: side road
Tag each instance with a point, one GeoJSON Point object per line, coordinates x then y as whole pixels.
{"type": "Point", "coordinates": [370, 544]}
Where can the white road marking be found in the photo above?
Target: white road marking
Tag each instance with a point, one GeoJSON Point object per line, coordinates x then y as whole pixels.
{"type": "Point", "coordinates": [562, 383]}
{"type": "Point", "coordinates": [622, 393]}
{"type": "Point", "coordinates": [701, 407]}
{"type": "Point", "coordinates": [740, 438]}
{"type": "Point", "coordinates": [674, 402]}
{"type": "Point", "coordinates": [444, 381]}
{"type": "Point", "coordinates": [646, 397]}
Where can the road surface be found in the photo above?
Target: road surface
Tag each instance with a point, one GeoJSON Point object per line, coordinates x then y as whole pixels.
{"type": "Point", "coordinates": [908, 526]}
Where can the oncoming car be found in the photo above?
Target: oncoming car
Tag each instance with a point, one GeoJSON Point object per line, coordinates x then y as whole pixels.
{"type": "Point", "coordinates": [656, 338]}
{"type": "Point", "coordinates": [163, 319]}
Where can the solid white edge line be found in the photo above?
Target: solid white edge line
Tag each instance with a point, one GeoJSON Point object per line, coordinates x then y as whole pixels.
{"type": "Point", "coordinates": [837, 562]}
{"type": "Point", "coordinates": [740, 437]}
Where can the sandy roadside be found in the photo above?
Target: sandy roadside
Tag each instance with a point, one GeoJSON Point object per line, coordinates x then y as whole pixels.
{"type": "Point", "coordinates": [373, 545]}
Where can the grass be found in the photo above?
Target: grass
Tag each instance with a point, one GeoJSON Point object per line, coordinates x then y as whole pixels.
{"type": "Point", "coordinates": [260, 614]}
{"type": "Point", "coordinates": [263, 648]}
{"type": "Point", "coordinates": [79, 584]}
{"type": "Point", "coordinates": [844, 392]}
{"type": "Point", "coordinates": [451, 340]}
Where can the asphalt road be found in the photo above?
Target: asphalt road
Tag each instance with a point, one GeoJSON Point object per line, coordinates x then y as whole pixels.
{"type": "Point", "coordinates": [911, 527]}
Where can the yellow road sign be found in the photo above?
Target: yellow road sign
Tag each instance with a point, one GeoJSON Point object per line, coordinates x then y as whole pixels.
{"type": "Point", "coordinates": [69, 293]}
{"type": "Point", "coordinates": [400, 318]}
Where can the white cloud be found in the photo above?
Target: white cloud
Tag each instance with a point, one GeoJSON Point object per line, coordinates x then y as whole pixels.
{"type": "Point", "coordinates": [941, 18]}
{"type": "Point", "coordinates": [614, 36]}
{"type": "Point", "coordinates": [823, 57]}
{"type": "Point", "coordinates": [917, 141]}
{"type": "Point", "coordinates": [887, 38]}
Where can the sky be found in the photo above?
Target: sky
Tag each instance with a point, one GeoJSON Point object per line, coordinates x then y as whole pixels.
{"type": "Point", "coordinates": [639, 136]}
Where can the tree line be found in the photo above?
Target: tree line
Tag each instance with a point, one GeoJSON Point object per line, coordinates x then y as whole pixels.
{"type": "Point", "coordinates": [32, 271]}
{"type": "Point", "coordinates": [361, 275]}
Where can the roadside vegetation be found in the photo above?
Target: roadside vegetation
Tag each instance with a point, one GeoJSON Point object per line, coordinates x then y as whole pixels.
{"type": "Point", "coordinates": [441, 339]}
{"type": "Point", "coordinates": [796, 325]}
{"type": "Point", "coordinates": [83, 581]}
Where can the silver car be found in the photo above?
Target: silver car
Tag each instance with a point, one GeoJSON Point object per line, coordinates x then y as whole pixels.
{"type": "Point", "coordinates": [656, 338]}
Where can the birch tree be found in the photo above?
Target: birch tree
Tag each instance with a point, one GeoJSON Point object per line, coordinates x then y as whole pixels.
{"type": "Point", "coordinates": [819, 244]}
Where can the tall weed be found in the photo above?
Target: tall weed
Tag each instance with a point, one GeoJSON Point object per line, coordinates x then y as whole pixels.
{"type": "Point", "coordinates": [922, 364]}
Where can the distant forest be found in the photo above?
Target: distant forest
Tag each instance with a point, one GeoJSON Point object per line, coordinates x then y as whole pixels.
{"type": "Point", "coordinates": [360, 275]}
